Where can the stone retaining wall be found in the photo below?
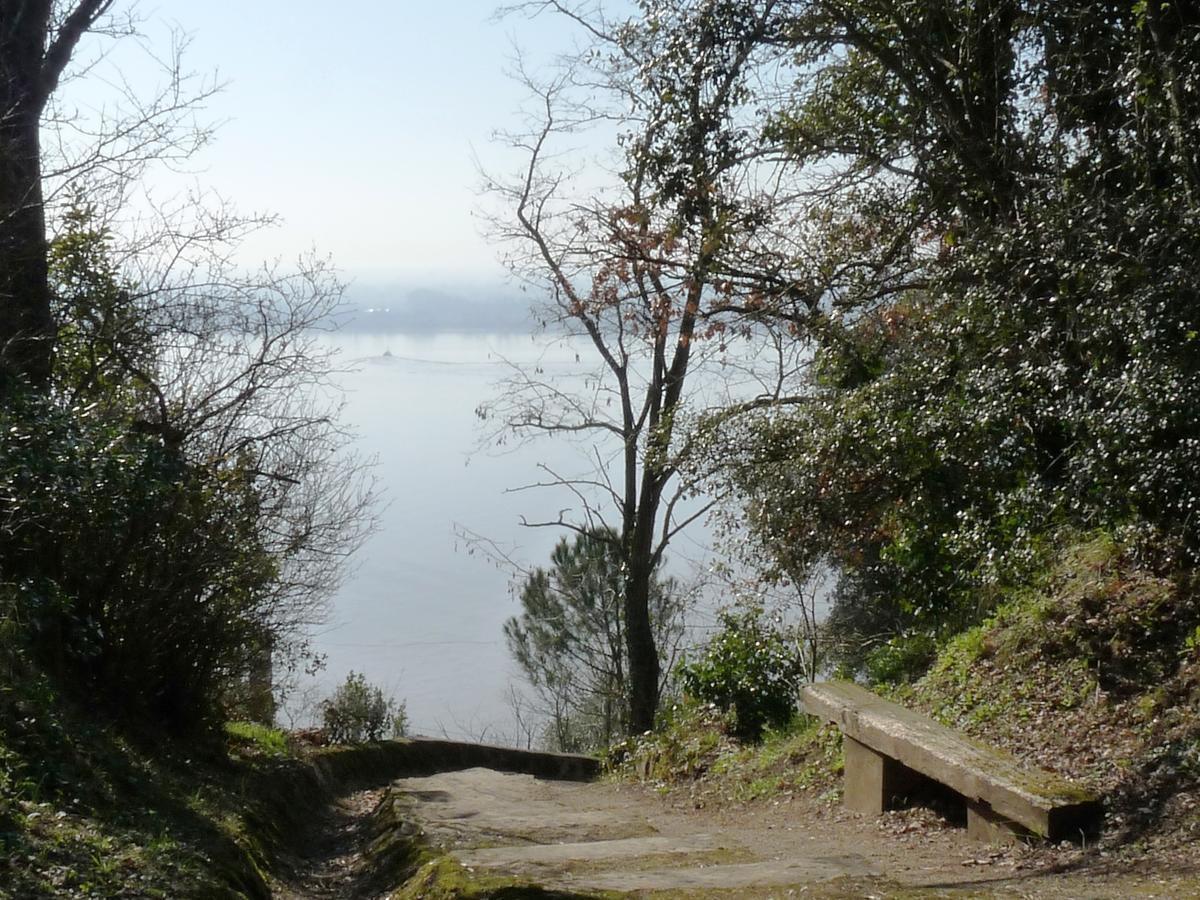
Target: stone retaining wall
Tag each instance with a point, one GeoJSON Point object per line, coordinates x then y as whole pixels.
{"type": "Point", "coordinates": [387, 760]}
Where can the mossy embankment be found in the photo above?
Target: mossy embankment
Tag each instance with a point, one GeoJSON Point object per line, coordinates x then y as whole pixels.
{"type": "Point", "coordinates": [90, 810]}
{"type": "Point", "coordinates": [1093, 672]}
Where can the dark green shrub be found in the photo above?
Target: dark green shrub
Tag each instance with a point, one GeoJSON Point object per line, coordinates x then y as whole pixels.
{"type": "Point", "coordinates": [153, 595]}
{"type": "Point", "coordinates": [750, 669]}
{"type": "Point", "coordinates": [901, 659]}
{"type": "Point", "coordinates": [358, 712]}
{"type": "Point", "coordinates": [174, 509]}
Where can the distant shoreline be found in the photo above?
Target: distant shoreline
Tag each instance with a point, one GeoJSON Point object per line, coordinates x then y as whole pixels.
{"type": "Point", "coordinates": [422, 311]}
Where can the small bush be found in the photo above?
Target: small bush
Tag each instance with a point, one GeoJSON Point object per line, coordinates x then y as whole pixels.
{"type": "Point", "coordinates": [358, 712]}
{"type": "Point", "coordinates": [158, 596]}
{"type": "Point", "coordinates": [902, 659]}
{"type": "Point", "coordinates": [689, 738]}
{"type": "Point", "coordinates": [750, 669]}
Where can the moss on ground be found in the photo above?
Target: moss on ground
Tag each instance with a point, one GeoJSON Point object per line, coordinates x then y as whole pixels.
{"type": "Point", "coordinates": [100, 814]}
{"type": "Point", "coordinates": [444, 879]}
{"type": "Point", "coordinates": [87, 810]}
{"type": "Point", "coordinates": [1094, 674]}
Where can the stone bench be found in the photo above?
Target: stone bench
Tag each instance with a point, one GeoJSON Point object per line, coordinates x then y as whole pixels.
{"type": "Point", "coordinates": [890, 749]}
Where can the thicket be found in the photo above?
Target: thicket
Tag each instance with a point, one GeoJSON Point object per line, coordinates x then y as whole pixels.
{"type": "Point", "coordinates": [359, 712]}
{"type": "Point", "coordinates": [750, 670]}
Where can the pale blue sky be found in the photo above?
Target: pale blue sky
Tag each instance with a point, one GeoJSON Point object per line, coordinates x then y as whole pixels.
{"type": "Point", "coordinates": [357, 123]}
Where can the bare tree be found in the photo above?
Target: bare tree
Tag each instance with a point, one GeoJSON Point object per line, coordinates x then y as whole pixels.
{"type": "Point", "coordinates": [143, 315]}
{"type": "Point", "coordinates": [640, 268]}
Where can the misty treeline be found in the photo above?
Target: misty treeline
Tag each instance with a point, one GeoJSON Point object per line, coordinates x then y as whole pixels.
{"type": "Point", "coordinates": [976, 223]}
{"type": "Point", "coordinates": [177, 498]}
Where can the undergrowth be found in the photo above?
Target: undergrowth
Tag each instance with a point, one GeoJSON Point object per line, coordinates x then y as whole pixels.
{"type": "Point", "coordinates": [1094, 673]}
{"type": "Point", "coordinates": [254, 737]}
{"type": "Point", "coordinates": [1092, 670]}
{"type": "Point", "coordinates": [87, 810]}
{"type": "Point", "coordinates": [696, 749]}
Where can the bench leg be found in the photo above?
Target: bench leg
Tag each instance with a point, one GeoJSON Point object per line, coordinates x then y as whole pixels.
{"type": "Point", "coordinates": [984, 824]}
{"type": "Point", "coordinates": [873, 780]}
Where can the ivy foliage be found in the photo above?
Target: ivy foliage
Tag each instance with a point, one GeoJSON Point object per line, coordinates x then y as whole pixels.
{"type": "Point", "coordinates": [1009, 333]}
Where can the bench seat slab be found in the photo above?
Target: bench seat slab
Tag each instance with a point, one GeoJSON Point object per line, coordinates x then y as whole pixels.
{"type": "Point", "coordinates": [1043, 803]}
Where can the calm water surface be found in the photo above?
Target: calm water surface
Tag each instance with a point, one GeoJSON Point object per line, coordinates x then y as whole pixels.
{"type": "Point", "coordinates": [422, 616]}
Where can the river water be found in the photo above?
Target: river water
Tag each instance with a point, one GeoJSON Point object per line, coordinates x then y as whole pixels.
{"type": "Point", "coordinates": [423, 612]}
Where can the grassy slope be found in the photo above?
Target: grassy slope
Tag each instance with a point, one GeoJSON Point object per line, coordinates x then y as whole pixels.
{"type": "Point", "coordinates": [85, 811]}
{"type": "Point", "coordinates": [1096, 675]}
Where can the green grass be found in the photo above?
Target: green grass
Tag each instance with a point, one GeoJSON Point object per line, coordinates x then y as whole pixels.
{"type": "Point", "coordinates": [259, 738]}
{"type": "Point", "coordinates": [693, 749]}
{"type": "Point", "coordinates": [88, 810]}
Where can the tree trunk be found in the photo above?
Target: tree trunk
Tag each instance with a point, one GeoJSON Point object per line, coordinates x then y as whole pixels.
{"type": "Point", "coordinates": [643, 656]}
{"type": "Point", "coordinates": [639, 633]}
{"type": "Point", "coordinates": [26, 324]}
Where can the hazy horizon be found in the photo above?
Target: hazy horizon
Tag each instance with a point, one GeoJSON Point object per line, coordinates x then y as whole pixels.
{"type": "Point", "coordinates": [432, 307]}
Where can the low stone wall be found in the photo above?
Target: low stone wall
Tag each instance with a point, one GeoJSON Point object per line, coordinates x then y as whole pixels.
{"type": "Point", "coordinates": [387, 760]}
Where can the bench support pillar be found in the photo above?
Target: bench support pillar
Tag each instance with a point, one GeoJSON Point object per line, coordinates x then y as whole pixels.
{"type": "Point", "coordinates": [873, 781]}
{"type": "Point", "coordinates": [986, 825]}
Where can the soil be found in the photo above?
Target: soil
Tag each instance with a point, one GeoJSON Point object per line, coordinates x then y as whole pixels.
{"type": "Point", "coordinates": [632, 839]}
{"type": "Point", "coordinates": [329, 863]}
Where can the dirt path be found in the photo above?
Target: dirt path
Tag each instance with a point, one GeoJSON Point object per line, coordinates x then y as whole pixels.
{"type": "Point", "coordinates": [329, 861]}
{"type": "Point", "coordinates": [626, 838]}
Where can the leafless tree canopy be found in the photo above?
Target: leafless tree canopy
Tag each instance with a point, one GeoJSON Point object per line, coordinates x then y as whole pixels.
{"type": "Point", "coordinates": [650, 268]}
{"type": "Point", "coordinates": [137, 309]}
